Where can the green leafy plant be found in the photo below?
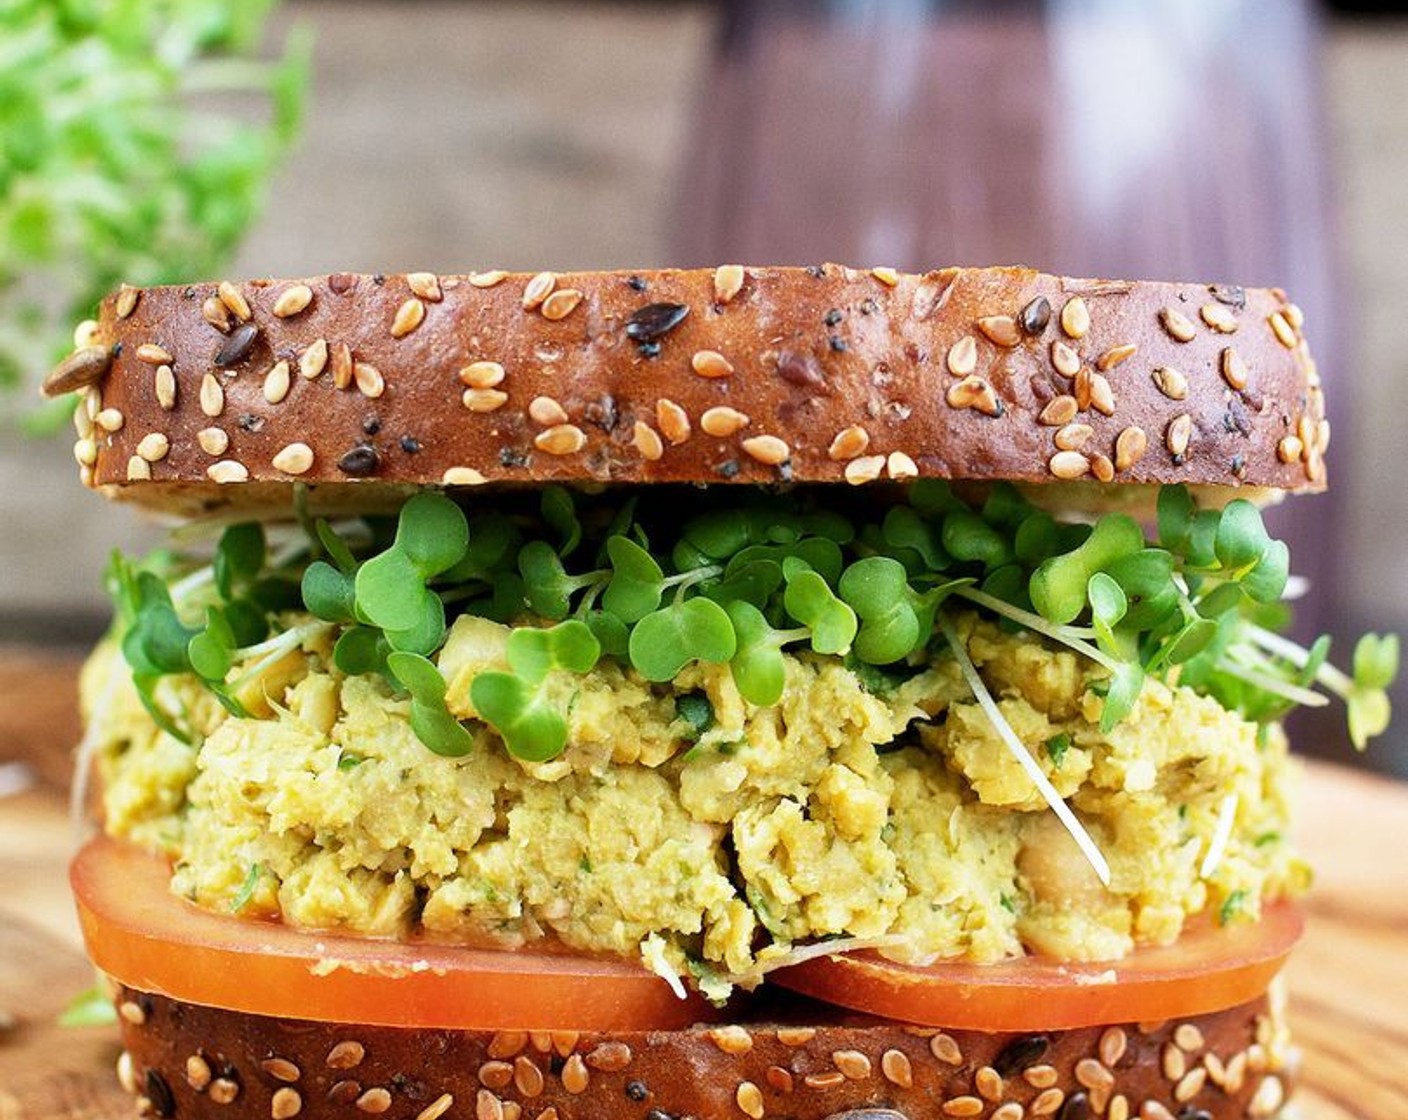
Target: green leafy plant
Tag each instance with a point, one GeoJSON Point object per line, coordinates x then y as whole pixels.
{"type": "Point", "coordinates": [122, 158]}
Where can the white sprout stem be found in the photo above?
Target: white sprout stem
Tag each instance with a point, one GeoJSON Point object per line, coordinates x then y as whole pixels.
{"type": "Point", "coordinates": [1268, 683]}
{"type": "Point", "coordinates": [1071, 636]}
{"type": "Point", "coordinates": [1329, 676]}
{"type": "Point", "coordinates": [1217, 846]}
{"type": "Point", "coordinates": [275, 648]}
{"type": "Point", "coordinates": [1020, 753]}
{"type": "Point", "coordinates": [838, 947]}
{"type": "Point", "coordinates": [194, 581]}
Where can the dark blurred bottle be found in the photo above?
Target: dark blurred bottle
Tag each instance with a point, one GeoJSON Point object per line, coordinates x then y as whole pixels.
{"type": "Point", "coordinates": [1167, 139]}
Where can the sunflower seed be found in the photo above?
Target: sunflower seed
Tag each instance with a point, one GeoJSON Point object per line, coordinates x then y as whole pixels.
{"type": "Point", "coordinates": [234, 300]}
{"type": "Point", "coordinates": [293, 300]}
{"type": "Point", "coordinates": [79, 370]}
{"type": "Point", "coordinates": [1075, 318]}
{"type": "Point", "coordinates": [426, 285]}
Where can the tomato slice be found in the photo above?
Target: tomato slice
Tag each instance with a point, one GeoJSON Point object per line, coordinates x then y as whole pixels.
{"type": "Point", "coordinates": [1208, 969]}
{"type": "Point", "coordinates": [142, 935]}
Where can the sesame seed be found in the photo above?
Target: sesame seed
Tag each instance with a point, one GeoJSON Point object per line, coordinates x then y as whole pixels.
{"type": "Point", "coordinates": [1064, 359]}
{"type": "Point", "coordinates": [234, 300]}
{"type": "Point", "coordinates": [1153, 1110]}
{"type": "Point", "coordinates": [828, 1080]}
{"type": "Point", "coordinates": [867, 468]}
{"type": "Point", "coordinates": [1009, 1111]}
{"type": "Point", "coordinates": [164, 385]}
{"type": "Point", "coordinates": [749, 1099]}
{"type": "Point", "coordinates": [1093, 1075]}
{"type": "Point", "coordinates": [482, 375]}
{"type": "Point", "coordinates": [224, 1090]}
{"type": "Point", "coordinates": [1075, 318]}
{"type": "Point", "coordinates": [728, 282]}
{"type": "Point", "coordinates": [1082, 382]}
{"type": "Point", "coordinates": [547, 412]}
{"type": "Point", "coordinates": [731, 1039]}
{"type": "Point", "coordinates": [227, 470]}
{"type": "Point", "coordinates": [1118, 1109]}
{"type": "Point", "coordinates": [109, 419]}
{"type": "Point", "coordinates": [561, 304]}
{"type": "Point", "coordinates": [672, 420]}
{"type": "Point", "coordinates": [1178, 435]}
{"type": "Point", "coordinates": [153, 448]}
{"type": "Point", "coordinates": [212, 396]}
{"type": "Point", "coordinates": [213, 441]}
{"type": "Point", "coordinates": [767, 449]}
{"type": "Point", "coordinates": [646, 440]}
{"type": "Point", "coordinates": [214, 312]}
{"type": "Point", "coordinates": [1002, 330]}
{"type": "Point", "coordinates": [561, 439]}
{"type": "Point", "coordinates": [1058, 411]}
{"type": "Point", "coordinates": [1072, 437]}
{"type": "Point", "coordinates": [848, 443]}
{"type": "Point", "coordinates": [286, 1103]}
{"type": "Point", "coordinates": [1289, 449]}
{"type": "Point", "coordinates": [1178, 326]}
{"type": "Point", "coordinates": [374, 1101]}
{"type": "Point", "coordinates": [963, 356]}
{"type": "Point", "coordinates": [138, 469]}
{"type": "Point", "coordinates": [277, 383]}
{"type": "Point", "coordinates": [710, 363]}
{"type": "Point", "coordinates": [126, 1073]}
{"type": "Point", "coordinates": [154, 355]}
{"type": "Point", "coordinates": [895, 1065]}
{"type": "Point", "coordinates": [85, 334]}
{"type": "Point", "coordinates": [314, 359]}
{"type": "Point", "coordinates": [1171, 382]}
{"type": "Point", "coordinates": [722, 421]}
{"type": "Point", "coordinates": [887, 276]}
{"type": "Point", "coordinates": [853, 1065]}
{"type": "Point", "coordinates": [293, 300]}
{"type": "Point", "coordinates": [1218, 317]}
{"type": "Point", "coordinates": [900, 466]}
{"type": "Point", "coordinates": [1102, 468]}
{"type": "Point", "coordinates": [463, 476]}
{"type": "Point", "coordinates": [973, 392]}
{"type": "Point", "coordinates": [296, 458]}
{"type": "Point", "coordinates": [612, 1057]}
{"type": "Point", "coordinates": [369, 381]}
{"type": "Point", "coordinates": [342, 366]}
{"type": "Point", "coordinates": [1187, 1036]}
{"type": "Point", "coordinates": [1040, 1077]}
{"type": "Point", "coordinates": [197, 1073]}
{"type": "Point", "coordinates": [946, 1050]}
{"type": "Point", "coordinates": [1069, 465]}
{"type": "Point", "coordinates": [488, 1107]}
{"type": "Point", "coordinates": [1190, 1085]}
{"type": "Point", "coordinates": [1173, 1063]}
{"type": "Point", "coordinates": [437, 1108]}
{"type": "Point", "coordinates": [426, 285]}
{"type": "Point", "coordinates": [1268, 1098]}
{"type": "Point", "coordinates": [538, 289]}
{"type": "Point", "coordinates": [126, 302]}
{"type": "Point", "coordinates": [1282, 329]}
{"type": "Point", "coordinates": [795, 1036]}
{"type": "Point", "coordinates": [1115, 355]}
{"type": "Point", "coordinates": [575, 1076]}
{"type": "Point", "coordinates": [408, 317]}
{"type": "Point", "coordinates": [1047, 1102]}
{"type": "Point", "coordinates": [346, 1055]}
{"type": "Point", "coordinates": [488, 279]}
{"type": "Point", "coordinates": [129, 1009]}
{"type": "Point", "coordinates": [527, 1077]}
{"type": "Point", "coordinates": [963, 1106]}
{"type": "Point", "coordinates": [1102, 397]}
{"type": "Point", "coordinates": [1130, 446]}
{"type": "Point", "coordinates": [989, 1084]}
{"type": "Point", "coordinates": [495, 1074]}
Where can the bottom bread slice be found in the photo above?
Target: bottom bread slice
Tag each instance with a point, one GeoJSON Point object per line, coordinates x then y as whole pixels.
{"type": "Point", "coordinates": [186, 1060]}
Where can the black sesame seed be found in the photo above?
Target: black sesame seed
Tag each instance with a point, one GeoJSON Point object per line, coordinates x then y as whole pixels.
{"type": "Point", "coordinates": [649, 349]}
{"type": "Point", "coordinates": [116, 350]}
{"type": "Point", "coordinates": [636, 1090]}
{"type": "Point", "coordinates": [660, 1114]}
{"type": "Point", "coordinates": [1036, 315]}
{"type": "Point", "coordinates": [410, 445]}
{"type": "Point", "coordinates": [251, 423]}
{"type": "Point", "coordinates": [1239, 465]}
{"type": "Point", "coordinates": [636, 284]}
{"type": "Point", "coordinates": [655, 319]}
{"type": "Point", "coordinates": [556, 1064]}
{"type": "Point", "coordinates": [1233, 295]}
{"type": "Point", "coordinates": [728, 468]}
{"type": "Point", "coordinates": [1020, 1053]}
{"type": "Point", "coordinates": [512, 457]}
{"type": "Point", "coordinates": [159, 1093]}
{"type": "Point", "coordinates": [1190, 1113]}
{"type": "Point", "coordinates": [188, 293]}
{"type": "Point", "coordinates": [1077, 1107]}
{"type": "Point", "coordinates": [602, 412]}
{"type": "Point", "coordinates": [832, 317]}
{"type": "Point", "coordinates": [360, 462]}
{"type": "Point", "coordinates": [837, 343]}
{"type": "Point", "coordinates": [816, 271]}
{"type": "Point", "coordinates": [378, 279]}
{"type": "Point", "coordinates": [236, 346]}
{"type": "Point", "coordinates": [868, 306]}
{"type": "Point", "coordinates": [371, 424]}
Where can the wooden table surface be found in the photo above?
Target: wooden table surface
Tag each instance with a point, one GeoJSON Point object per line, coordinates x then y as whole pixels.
{"type": "Point", "coordinates": [1349, 978]}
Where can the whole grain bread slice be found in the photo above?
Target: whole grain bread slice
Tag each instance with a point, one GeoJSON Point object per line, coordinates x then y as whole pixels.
{"type": "Point", "coordinates": [228, 394]}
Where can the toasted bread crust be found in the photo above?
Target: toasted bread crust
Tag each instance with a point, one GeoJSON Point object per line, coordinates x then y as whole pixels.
{"type": "Point", "coordinates": [192, 1061]}
{"type": "Point", "coordinates": [208, 395]}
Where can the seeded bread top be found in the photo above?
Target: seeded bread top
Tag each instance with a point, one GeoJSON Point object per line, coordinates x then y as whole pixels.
{"type": "Point", "coordinates": [226, 394]}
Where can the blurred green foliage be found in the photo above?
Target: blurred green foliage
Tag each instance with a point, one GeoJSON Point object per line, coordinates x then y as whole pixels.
{"type": "Point", "coordinates": [137, 140]}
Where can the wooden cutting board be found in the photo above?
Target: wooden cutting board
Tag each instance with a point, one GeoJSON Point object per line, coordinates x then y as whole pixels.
{"type": "Point", "coordinates": [1349, 978]}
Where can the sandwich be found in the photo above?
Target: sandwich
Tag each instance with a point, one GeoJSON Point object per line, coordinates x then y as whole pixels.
{"type": "Point", "coordinates": [751, 692]}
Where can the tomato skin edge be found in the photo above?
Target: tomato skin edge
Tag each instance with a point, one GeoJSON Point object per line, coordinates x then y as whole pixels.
{"type": "Point", "coordinates": [1151, 985]}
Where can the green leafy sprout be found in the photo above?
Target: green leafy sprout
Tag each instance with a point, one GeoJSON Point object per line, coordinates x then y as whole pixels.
{"type": "Point", "coordinates": [138, 141]}
{"type": "Point", "coordinates": [672, 578]}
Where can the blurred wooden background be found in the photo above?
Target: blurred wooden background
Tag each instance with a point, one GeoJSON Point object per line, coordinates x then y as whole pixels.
{"type": "Point", "coordinates": [493, 134]}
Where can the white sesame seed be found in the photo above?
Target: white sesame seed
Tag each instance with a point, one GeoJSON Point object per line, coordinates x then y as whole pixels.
{"type": "Point", "coordinates": [848, 443]}
{"type": "Point", "coordinates": [138, 469]}
{"type": "Point", "coordinates": [342, 365]}
{"type": "Point", "coordinates": [900, 466]}
{"type": "Point", "coordinates": [1178, 435]}
{"type": "Point", "coordinates": [296, 458]}
{"type": "Point", "coordinates": [482, 375]}
{"type": "Point", "coordinates": [1218, 317]}
{"type": "Point", "coordinates": [154, 355]}
{"type": "Point", "coordinates": [293, 300]}
{"type": "Point", "coordinates": [1289, 449]}
{"type": "Point", "coordinates": [213, 441]}
{"type": "Point", "coordinates": [1115, 355]}
{"type": "Point", "coordinates": [722, 421]}
{"type": "Point", "coordinates": [488, 279]}
{"type": "Point", "coordinates": [575, 1076]}
{"type": "Point", "coordinates": [164, 385]}
{"type": "Point", "coordinates": [1234, 369]}
{"type": "Point", "coordinates": [767, 449]}
{"type": "Point", "coordinates": [227, 470]}
{"type": "Point", "coordinates": [314, 359]}
{"type": "Point", "coordinates": [887, 276]}
{"type": "Point", "coordinates": [1068, 465]}
{"type": "Point", "coordinates": [672, 420]}
{"type": "Point", "coordinates": [277, 383]}
{"type": "Point", "coordinates": [214, 312]}
{"type": "Point", "coordinates": [562, 439]}
{"type": "Point", "coordinates": [547, 412]}
{"type": "Point", "coordinates": [484, 400]}
{"type": "Point", "coordinates": [234, 300]}
{"type": "Point", "coordinates": [1058, 411]}
{"type": "Point", "coordinates": [561, 304]}
{"type": "Point", "coordinates": [212, 395]}
{"type": "Point", "coordinates": [1064, 359]}
{"type": "Point", "coordinates": [1130, 445]}
{"type": "Point", "coordinates": [646, 440]}
{"type": "Point", "coordinates": [285, 1103]}
{"type": "Point", "coordinates": [749, 1099]}
{"type": "Point", "coordinates": [153, 447]}
{"type": "Point", "coordinates": [1001, 330]}
{"type": "Point", "coordinates": [109, 419]}
{"type": "Point", "coordinates": [962, 356]}
{"type": "Point", "coordinates": [463, 476]}
{"type": "Point", "coordinates": [1282, 329]}
{"type": "Point", "coordinates": [86, 334]}
{"type": "Point", "coordinates": [198, 1073]}
{"type": "Point", "coordinates": [710, 363]}
{"type": "Point", "coordinates": [126, 302]}
{"type": "Point", "coordinates": [896, 1067]}
{"type": "Point", "coordinates": [369, 381]}
{"type": "Point", "coordinates": [538, 289]}
{"type": "Point", "coordinates": [1178, 325]}
{"type": "Point", "coordinates": [867, 468]}
{"type": "Point", "coordinates": [728, 282]}
{"type": "Point", "coordinates": [1072, 437]}
{"type": "Point", "coordinates": [1171, 383]}
{"type": "Point", "coordinates": [853, 1065]}
{"type": "Point", "coordinates": [1075, 317]}
{"type": "Point", "coordinates": [426, 285]}
{"type": "Point", "coordinates": [731, 1039]}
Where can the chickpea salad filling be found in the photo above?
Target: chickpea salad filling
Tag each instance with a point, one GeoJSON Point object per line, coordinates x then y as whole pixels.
{"type": "Point", "coordinates": [720, 732]}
